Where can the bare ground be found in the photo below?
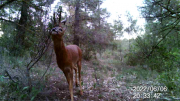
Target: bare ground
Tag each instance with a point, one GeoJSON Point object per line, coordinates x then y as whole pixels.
{"type": "Point", "coordinates": [99, 84]}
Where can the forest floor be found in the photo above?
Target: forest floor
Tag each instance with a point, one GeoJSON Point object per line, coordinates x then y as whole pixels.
{"type": "Point", "coordinates": [99, 80]}
{"type": "Point", "coordinates": [105, 79]}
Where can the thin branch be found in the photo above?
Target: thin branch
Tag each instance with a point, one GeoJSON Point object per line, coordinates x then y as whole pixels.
{"type": "Point", "coordinates": [39, 56]}
{"type": "Point", "coordinates": [165, 15]}
{"type": "Point", "coordinates": [18, 25]}
{"type": "Point", "coordinates": [167, 8]}
{"type": "Point", "coordinates": [164, 28]}
{"type": "Point", "coordinates": [154, 47]}
{"type": "Point", "coordinates": [168, 33]}
{"type": "Point", "coordinates": [168, 4]}
{"type": "Point", "coordinates": [6, 3]}
{"type": "Point", "coordinates": [11, 78]}
{"type": "Point", "coordinates": [40, 52]}
{"type": "Point", "coordinates": [47, 67]}
{"type": "Point", "coordinates": [33, 5]}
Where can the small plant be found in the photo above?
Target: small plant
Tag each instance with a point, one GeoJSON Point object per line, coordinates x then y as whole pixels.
{"type": "Point", "coordinates": [94, 85]}
{"type": "Point", "coordinates": [107, 54]}
{"type": "Point", "coordinates": [96, 63]}
{"type": "Point", "coordinates": [100, 96]}
{"type": "Point", "coordinates": [34, 93]}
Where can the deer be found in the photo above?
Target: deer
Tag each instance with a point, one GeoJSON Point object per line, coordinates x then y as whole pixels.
{"type": "Point", "coordinates": [68, 57]}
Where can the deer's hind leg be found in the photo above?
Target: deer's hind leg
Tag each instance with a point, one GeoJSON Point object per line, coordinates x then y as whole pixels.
{"type": "Point", "coordinates": [75, 69]}
{"type": "Point", "coordinates": [79, 71]}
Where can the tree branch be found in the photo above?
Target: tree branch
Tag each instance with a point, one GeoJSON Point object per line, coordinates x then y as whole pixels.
{"type": "Point", "coordinates": [167, 8]}
{"type": "Point", "coordinates": [6, 3]}
{"type": "Point", "coordinates": [39, 55]}
{"type": "Point", "coordinates": [47, 67]}
{"type": "Point", "coordinates": [154, 47]}
{"type": "Point", "coordinates": [10, 77]}
{"type": "Point", "coordinates": [18, 25]}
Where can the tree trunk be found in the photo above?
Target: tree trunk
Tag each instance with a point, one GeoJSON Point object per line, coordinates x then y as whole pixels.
{"type": "Point", "coordinates": [76, 24]}
{"type": "Point", "coordinates": [20, 36]}
{"type": "Point", "coordinates": [99, 17]}
{"type": "Point", "coordinates": [21, 27]}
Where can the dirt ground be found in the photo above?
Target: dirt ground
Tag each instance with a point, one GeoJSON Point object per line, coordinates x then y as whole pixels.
{"type": "Point", "coordinates": [99, 84]}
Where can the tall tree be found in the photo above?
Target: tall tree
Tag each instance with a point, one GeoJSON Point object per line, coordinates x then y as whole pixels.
{"type": "Point", "coordinates": [118, 28]}
{"type": "Point", "coordinates": [76, 23]}
{"type": "Point", "coordinates": [93, 29]}
{"type": "Point", "coordinates": [162, 19]}
{"type": "Point", "coordinates": [24, 31]}
{"type": "Point", "coordinates": [132, 27]}
{"type": "Point", "coordinates": [21, 27]}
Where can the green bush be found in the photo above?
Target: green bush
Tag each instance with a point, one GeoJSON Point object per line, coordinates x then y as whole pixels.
{"type": "Point", "coordinates": [15, 91]}
{"type": "Point", "coordinates": [107, 54]}
{"type": "Point", "coordinates": [134, 59]}
{"type": "Point", "coordinates": [171, 79]}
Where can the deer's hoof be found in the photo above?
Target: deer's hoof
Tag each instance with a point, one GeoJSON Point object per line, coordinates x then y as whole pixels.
{"type": "Point", "coordinates": [81, 93]}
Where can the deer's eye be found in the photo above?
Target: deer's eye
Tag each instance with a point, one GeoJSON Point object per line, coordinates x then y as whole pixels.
{"type": "Point", "coordinates": [53, 29]}
{"type": "Point", "coordinates": [60, 29]}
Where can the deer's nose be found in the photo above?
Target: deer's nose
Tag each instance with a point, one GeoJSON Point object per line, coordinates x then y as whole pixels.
{"type": "Point", "coordinates": [53, 29]}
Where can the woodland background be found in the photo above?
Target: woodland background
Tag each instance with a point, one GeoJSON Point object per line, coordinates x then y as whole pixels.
{"type": "Point", "coordinates": [111, 67]}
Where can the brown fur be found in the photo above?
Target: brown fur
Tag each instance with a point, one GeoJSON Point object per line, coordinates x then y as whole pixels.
{"type": "Point", "coordinates": [67, 59]}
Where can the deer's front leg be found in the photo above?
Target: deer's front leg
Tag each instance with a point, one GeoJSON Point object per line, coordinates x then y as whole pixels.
{"type": "Point", "coordinates": [69, 76]}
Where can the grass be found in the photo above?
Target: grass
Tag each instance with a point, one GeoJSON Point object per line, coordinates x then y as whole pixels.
{"type": "Point", "coordinates": [138, 75]}
{"type": "Point", "coordinates": [16, 68]}
{"type": "Point", "coordinates": [99, 77]}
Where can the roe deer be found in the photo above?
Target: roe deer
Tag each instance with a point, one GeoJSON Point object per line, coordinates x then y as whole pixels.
{"type": "Point", "coordinates": [67, 57]}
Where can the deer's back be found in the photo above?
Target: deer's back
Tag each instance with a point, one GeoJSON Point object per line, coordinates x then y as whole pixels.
{"type": "Point", "coordinates": [75, 53]}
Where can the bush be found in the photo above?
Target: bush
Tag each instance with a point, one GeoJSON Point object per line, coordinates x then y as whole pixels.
{"type": "Point", "coordinates": [14, 91]}
{"type": "Point", "coordinates": [171, 79]}
{"type": "Point", "coordinates": [134, 59]}
{"type": "Point", "coordinates": [87, 55]}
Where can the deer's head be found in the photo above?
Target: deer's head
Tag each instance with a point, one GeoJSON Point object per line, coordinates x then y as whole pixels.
{"type": "Point", "coordinates": [58, 30]}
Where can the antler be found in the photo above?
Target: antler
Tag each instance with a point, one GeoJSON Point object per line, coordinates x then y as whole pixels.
{"type": "Point", "coordinates": [60, 16]}
{"type": "Point", "coordinates": [60, 11]}
{"type": "Point", "coordinates": [54, 18]}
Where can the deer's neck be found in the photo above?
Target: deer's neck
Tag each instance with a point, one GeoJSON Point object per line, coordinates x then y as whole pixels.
{"type": "Point", "coordinates": [60, 49]}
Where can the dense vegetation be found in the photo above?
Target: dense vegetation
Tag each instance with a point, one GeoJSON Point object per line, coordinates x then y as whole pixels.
{"type": "Point", "coordinates": [27, 57]}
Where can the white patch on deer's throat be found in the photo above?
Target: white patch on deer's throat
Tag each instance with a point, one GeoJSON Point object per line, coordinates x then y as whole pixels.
{"type": "Point", "coordinates": [54, 32]}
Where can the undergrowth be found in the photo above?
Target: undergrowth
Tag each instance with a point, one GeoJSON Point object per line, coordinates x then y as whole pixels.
{"type": "Point", "coordinates": [13, 78]}
{"type": "Point", "coordinates": [143, 75]}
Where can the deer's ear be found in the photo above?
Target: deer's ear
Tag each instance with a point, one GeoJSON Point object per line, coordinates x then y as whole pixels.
{"type": "Point", "coordinates": [64, 21]}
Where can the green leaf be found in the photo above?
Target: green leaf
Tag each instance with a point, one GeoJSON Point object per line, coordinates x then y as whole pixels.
{"type": "Point", "coordinates": [23, 96]}
{"type": "Point", "coordinates": [33, 98]}
{"type": "Point", "coordinates": [2, 78]}
{"type": "Point", "coordinates": [25, 88]}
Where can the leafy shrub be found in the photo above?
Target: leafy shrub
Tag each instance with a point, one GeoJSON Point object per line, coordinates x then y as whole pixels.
{"type": "Point", "coordinates": [134, 59]}
{"type": "Point", "coordinates": [107, 54]}
{"type": "Point", "coordinates": [87, 55]}
{"type": "Point", "coordinates": [15, 91]}
{"type": "Point", "coordinates": [171, 79]}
